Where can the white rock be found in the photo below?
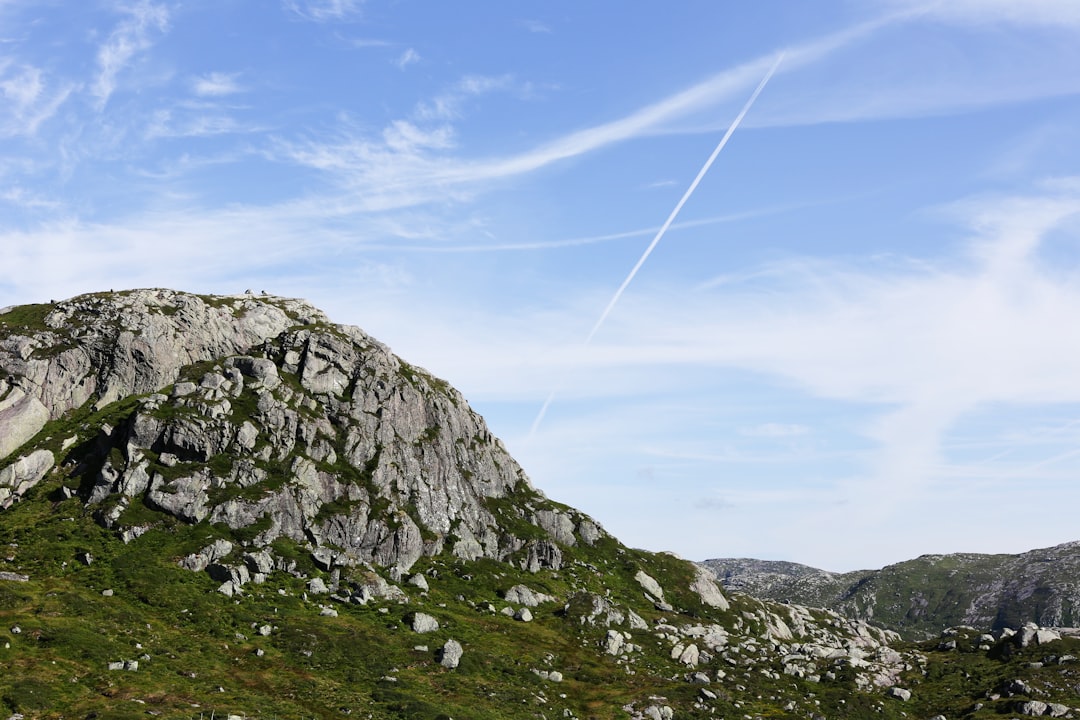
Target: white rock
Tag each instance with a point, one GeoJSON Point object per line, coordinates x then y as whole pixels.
{"type": "Point", "coordinates": [704, 586]}
{"type": "Point", "coordinates": [450, 655]}
{"type": "Point", "coordinates": [424, 623]}
{"type": "Point", "coordinates": [649, 585]}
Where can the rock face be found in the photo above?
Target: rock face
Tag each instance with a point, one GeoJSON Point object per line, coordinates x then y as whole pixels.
{"type": "Point", "coordinates": [110, 345]}
{"type": "Point", "coordinates": [258, 413]}
{"type": "Point", "coordinates": [920, 597]}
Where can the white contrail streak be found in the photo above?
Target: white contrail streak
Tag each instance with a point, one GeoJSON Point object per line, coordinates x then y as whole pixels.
{"type": "Point", "coordinates": [667, 223]}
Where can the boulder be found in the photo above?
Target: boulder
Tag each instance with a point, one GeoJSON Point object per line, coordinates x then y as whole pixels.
{"type": "Point", "coordinates": [21, 417]}
{"type": "Point", "coordinates": [424, 623]}
{"type": "Point", "coordinates": [704, 585]}
{"type": "Point", "coordinates": [450, 654]}
{"type": "Point", "coordinates": [522, 595]}
{"type": "Point", "coordinates": [23, 474]}
{"type": "Point", "coordinates": [1034, 708]}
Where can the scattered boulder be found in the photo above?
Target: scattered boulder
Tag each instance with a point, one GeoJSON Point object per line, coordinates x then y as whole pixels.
{"type": "Point", "coordinates": [424, 623]}
{"type": "Point", "coordinates": [1034, 708]}
{"type": "Point", "coordinates": [522, 595]}
{"type": "Point", "coordinates": [653, 591]}
{"type": "Point", "coordinates": [450, 654]}
{"type": "Point", "coordinates": [23, 474]}
{"type": "Point", "coordinates": [705, 587]}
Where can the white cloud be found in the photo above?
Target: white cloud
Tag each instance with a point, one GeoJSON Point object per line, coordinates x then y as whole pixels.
{"type": "Point", "coordinates": [407, 58]}
{"type": "Point", "coordinates": [536, 26]}
{"type": "Point", "coordinates": [447, 105]}
{"type": "Point", "coordinates": [1051, 13]}
{"type": "Point", "coordinates": [370, 42]}
{"type": "Point", "coordinates": [164, 124]}
{"type": "Point", "coordinates": [23, 198]}
{"type": "Point", "coordinates": [128, 39]}
{"type": "Point", "coordinates": [216, 84]}
{"type": "Point", "coordinates": [324, 10]}
{"type": "Point", "coordinates": [28, 101]}
{"type": "Point", "coordinates": [776, 430]}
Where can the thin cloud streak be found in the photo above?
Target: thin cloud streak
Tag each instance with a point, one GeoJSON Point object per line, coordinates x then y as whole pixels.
{"type": "Point", "coordinates": [387, 176]}
{"type": "Point", "coordinates": [127, 40]}
{"type": "Point", "coordinates": [216, 84]}
{"type": "Point", "coordinates": [29, 103]}
{"type": "Point", "coordinates": [667, 223]}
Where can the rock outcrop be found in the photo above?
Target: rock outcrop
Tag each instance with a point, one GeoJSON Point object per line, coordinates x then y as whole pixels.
{"type": "Point", "coordinates": [257, 412]}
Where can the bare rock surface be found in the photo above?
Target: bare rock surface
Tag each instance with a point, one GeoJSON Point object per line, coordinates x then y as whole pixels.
{"type": "Point", "coordinates": [256, 411]}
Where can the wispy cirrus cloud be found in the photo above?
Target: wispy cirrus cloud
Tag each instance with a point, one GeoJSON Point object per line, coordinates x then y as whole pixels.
{"type": "Point", "coordinates": [29, 101]}
{"type": "Point", "coordinates": [407, 58]}
{"type": "Point", "coordinates": [536, 26]}
{"type": "Point", "coordinates": [1052, 13]}
{"type": "Point", "coordinates": [391, 178]}
{"type": "Point", "coordinates": [205, 123]}
{"type": "Point", "coordinates": [324, 10]}
{"type": "Point", "coordinates": [216, 84]}
{"type": "Point", "coordinates": [129, 38]}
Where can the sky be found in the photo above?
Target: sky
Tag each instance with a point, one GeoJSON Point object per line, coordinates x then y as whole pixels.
{"type": "Point", "coordinates": [856, 342]}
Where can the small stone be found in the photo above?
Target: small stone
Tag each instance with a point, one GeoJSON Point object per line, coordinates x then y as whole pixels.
{"type": "Point", "coordinates": [16, 630]}
{"type": "Point", "coordinates": [524, 615]}
{"type": "Point", "coordinates": [107, 593]}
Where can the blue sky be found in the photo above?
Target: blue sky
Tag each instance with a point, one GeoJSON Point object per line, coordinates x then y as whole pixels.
{"type": "Point", "coordinates": [856, 344]}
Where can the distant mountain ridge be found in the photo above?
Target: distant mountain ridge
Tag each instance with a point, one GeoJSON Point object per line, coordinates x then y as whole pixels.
{"type": "Point", "coordinates": [922, 596]}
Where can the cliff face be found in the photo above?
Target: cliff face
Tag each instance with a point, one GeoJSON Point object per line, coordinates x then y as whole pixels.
{"type": "Point", "coordinates": [258, 413]}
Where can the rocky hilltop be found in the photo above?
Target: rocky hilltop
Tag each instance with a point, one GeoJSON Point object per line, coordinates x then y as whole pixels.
{"type": "Point", "coordinates": [920, 597]}
{"type": "Point", "coordinates": [230, 506]}
{"type": "Point", "coordinates": [259, 414]}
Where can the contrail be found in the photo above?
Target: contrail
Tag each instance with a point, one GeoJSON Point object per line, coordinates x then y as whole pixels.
{"type": "Point", "coordinates": [667, 223]}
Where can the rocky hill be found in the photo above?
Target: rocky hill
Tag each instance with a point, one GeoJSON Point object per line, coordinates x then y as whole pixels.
{"type": "Point", "coordinates": [920, 597]}
{"type": "Point", "coordinates": [229, 506]}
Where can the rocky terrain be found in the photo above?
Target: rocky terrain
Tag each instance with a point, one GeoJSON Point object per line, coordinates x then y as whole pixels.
{"type": "Point", "coordinates": [229, 506]}
{"type": "Point", "coordinates": [920, 597]}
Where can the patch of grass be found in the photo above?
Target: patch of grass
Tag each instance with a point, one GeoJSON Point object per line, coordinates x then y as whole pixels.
{"type": "Point", "coordinates": [26, 318]}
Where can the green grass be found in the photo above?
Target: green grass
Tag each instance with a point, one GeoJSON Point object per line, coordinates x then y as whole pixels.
{"type": "Point", "coordinates": [26, 318]}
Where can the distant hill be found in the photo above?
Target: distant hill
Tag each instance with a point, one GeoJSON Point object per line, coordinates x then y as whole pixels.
{"type": "Point", "coordinates": [920, 597]}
